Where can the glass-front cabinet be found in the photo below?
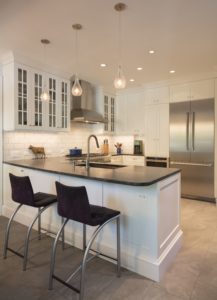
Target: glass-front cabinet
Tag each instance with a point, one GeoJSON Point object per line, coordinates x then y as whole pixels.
{"type": "Point", "coordinates": [22, 97]}
{"type": "Point", "coordinates": [23, 107]}
{"type": "Point", "coordinates": [109, 113]}
{"type": "Point", "coordinates": [64, 107]}
{"type": "Point", "coordinates": [38, 107]}
{"type": "Point", "coordinates": [52, 111]}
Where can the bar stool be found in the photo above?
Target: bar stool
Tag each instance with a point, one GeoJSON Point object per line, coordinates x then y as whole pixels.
{"type": "Point", "coordinates": [73, 204]}
{"type": "Point", "coordinates": [22, 192]}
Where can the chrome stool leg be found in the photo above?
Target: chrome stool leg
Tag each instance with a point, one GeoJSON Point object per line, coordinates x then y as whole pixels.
{"type": "Point", "coordinates": [118, 248]}
{"type": "Point", "coordinates": [8, 230]}
{"type": "Point", "coordinates": [26, 247]}
{"type": "Point", "coordinates": [53, 255]}
{"type": "Point", "coordinates": [84, 261]}
{"type": "Point", "coordinates": [39, 224]}
{"type": "Point", "coordinates": [63, 234]}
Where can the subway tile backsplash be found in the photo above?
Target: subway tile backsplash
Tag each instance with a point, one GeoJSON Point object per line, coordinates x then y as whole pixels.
{"type": "Point", "coordinates": [16, 144]}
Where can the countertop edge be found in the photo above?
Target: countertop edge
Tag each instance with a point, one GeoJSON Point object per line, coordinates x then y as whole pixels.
{"type": "Point", "coordinates": [176, 171]}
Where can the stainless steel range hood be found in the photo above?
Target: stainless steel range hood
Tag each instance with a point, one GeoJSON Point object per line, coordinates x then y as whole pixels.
{"type": "Point", "coordinates": [83, 108]}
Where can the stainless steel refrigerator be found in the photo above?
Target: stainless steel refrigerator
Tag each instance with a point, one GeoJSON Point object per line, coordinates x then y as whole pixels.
{"type": "Point", "coordinates": [192, 147]}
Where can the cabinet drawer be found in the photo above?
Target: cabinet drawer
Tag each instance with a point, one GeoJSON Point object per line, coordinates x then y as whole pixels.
{"type": "Point", "coordinates": [134, 160]}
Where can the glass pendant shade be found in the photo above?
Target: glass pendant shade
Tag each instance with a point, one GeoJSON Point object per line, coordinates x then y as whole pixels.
{"type": "Point", "coordinates": [76, 89]}
{"type": "Point", "coordinates": [120, 81]}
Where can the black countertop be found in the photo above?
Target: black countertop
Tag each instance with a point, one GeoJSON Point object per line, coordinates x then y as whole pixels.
{"type": "Point", "coordinates": [129, 175]}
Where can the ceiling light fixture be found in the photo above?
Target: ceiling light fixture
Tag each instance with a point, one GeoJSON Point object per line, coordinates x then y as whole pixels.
{"type": "Point", "coordinates": [132, 80]}
{"type": "Point", "coordinates": [120, 81]}
{"type": "Point", "coordinates": [103, 65]}
{"type": "Point", "coordinates": [139, 68]}
{"type": "Point", "coordinates": [172, 71]}
{"type": "Point", "coordinates": [45, 96]}
{"type": "Point", "coordinates": [76, 89]}
{"type": "Point", "coordinates": [151, 51]}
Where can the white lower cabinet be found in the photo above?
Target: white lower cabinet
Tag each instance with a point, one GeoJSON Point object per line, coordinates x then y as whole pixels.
{"type": "Point", "coordinates": [129, 160]}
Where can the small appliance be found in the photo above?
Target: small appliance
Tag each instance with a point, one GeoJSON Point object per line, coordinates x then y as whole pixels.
{"type": "Point", "coordinates": [138, 147]}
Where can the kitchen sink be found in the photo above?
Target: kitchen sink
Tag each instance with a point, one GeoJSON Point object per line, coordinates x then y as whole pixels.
{"type": "Point", "coordinates": [100, 165]}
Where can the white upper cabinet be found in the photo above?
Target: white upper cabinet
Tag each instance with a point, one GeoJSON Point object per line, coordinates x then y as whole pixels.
{"type": "Point", "coordinates": [197, 90]}
{"type": "Point", "coordinates": [157, 95]}
{"type": "Point", "coordinates": [110, 113]}
{"type": "Point", "coordinates": [23, 108]}
{"type": "Point", "coordinates": [202, 89]}
{"type": "Point", "coordinates": [130, 114]}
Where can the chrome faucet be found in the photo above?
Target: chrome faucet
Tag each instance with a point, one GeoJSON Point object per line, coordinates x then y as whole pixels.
{"type": "Point", "coordinates": [88, 148]}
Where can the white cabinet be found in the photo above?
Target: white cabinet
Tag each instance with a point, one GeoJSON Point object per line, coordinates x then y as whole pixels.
{"type": "Point", "coordinates": [23, 108]}
{"type": "Point", "coordinates": [197, 90]}
{"type": "Point", "coordinates": [109, 113]}
{"type": "Point", "coordinates": [133, 160]}
{"type": "Point", "coordinates": [129, 160]}
{"type": "Point", "coordinates": [130, 114]}
{"type": "Point", "coordinates": [157, 95]}
{"type": "Point", "coordinates": [157, 130]}
{"type": "Point", "coordinates": [121, 119]}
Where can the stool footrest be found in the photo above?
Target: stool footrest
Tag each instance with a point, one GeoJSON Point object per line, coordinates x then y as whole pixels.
{"type": "Point", "coordinates": [15, 252]}
{"type": "Point", "coordinates": [66, 284]}
{"type": "Point", "coordinates": [101, 254]}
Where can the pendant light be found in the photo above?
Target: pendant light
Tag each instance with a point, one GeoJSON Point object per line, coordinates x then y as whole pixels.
{"type": "Point", "coordinates": [76, 89]}
{"type": "Point", "coordinates": [45, 96]}
{"type": "Point", "coordinates": [120, 81]}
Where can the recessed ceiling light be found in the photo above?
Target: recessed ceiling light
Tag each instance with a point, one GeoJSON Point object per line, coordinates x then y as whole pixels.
{"type": "Point", "coordinates": [139, 68]}
{"type": "Point", "coordinates": [172, 71]}
{"type": "Point", "coordinates": [103, 65]}
{"type": "Point", "coordinates": [132, 80]}
{"type": "Point", "coordinates": [151, 51]}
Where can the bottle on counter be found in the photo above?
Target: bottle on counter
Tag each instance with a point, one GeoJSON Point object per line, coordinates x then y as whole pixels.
{"type": "Point", "coordinates": [105, 147]}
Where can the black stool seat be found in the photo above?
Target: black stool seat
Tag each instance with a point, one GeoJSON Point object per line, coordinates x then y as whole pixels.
{"type": "Point", "coordinates": [100, 215]}
{"type": "Point", "coordinates": [73, 204]}
{"type": "Point", "coordinates": [22, 193]}
{"type": "Point", "coordinates": [43, 199]}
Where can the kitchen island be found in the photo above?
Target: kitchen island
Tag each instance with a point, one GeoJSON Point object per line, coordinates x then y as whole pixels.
{"type": "Point", "coordinates": [148, 198]}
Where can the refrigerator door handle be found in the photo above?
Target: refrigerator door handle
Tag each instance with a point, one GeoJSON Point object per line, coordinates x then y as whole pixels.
{"type": "Point", "coordinates": [191, 164]}
{"type": "Point", "coordinates": [187, 130]}
{"type": "Point", "coordinates": [193, 131]}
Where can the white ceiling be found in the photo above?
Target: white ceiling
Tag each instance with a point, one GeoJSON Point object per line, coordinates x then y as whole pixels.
{"type": "Point", "coordinates": [182, 32]}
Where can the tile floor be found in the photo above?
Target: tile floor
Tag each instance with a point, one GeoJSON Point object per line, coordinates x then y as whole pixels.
{"type": "Point", "coordinates": [192, 276]}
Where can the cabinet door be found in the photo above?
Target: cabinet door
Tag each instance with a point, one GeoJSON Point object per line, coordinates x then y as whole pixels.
{"type": "Point", "coordinates": [37, 105]}
{"type": "Point", "coordinates": [110, 113]}
{"type": "Point", "coordinates": [157, 95]}
{"type": "Point", "coordinates": [180, 93]}
{"type": "Point", "coordinates": [135, 113]}
{"type": "Point", "coordinates": [22, 97]}
{"type": "Point", "coordinates": [63, 106]}
{"type": "Point", "coordinates": [202, 89]}
{"type": "Point", "coordinates": [52, 108]}
{"type": "Point", "coordinates": [121, 120]}
{"type": "Point", "coordinates": [152, 131]}
{"type": "Point", "coordinates": [157, 134]}
{"type": "Point", "coordinates": [163, 148]}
